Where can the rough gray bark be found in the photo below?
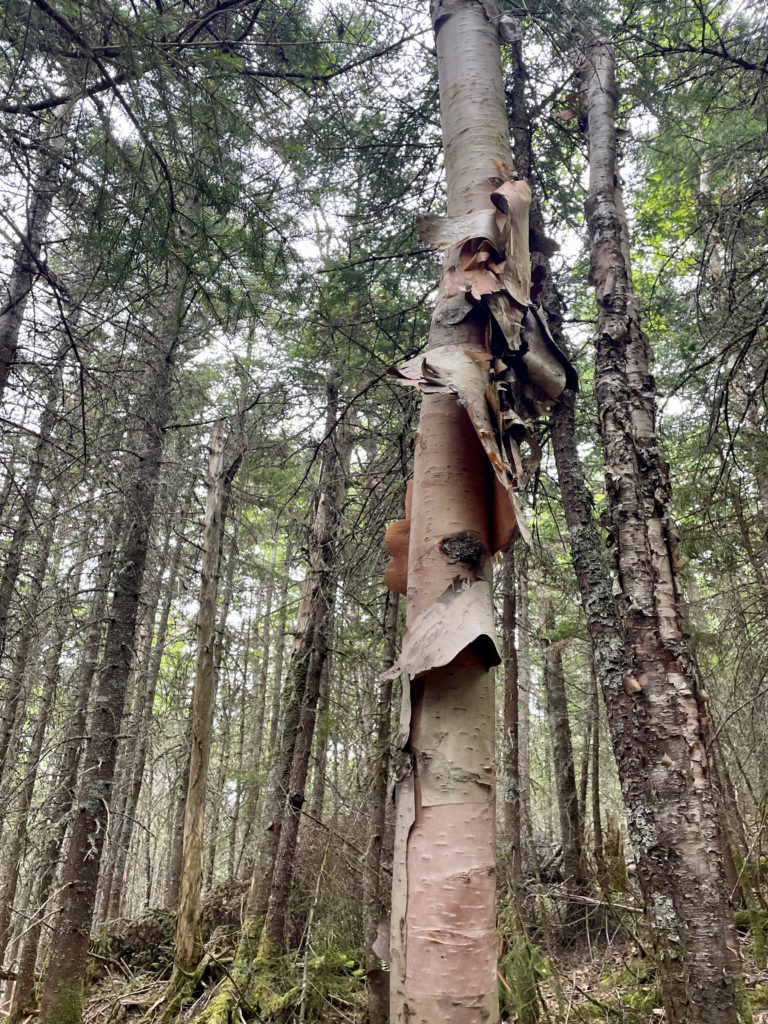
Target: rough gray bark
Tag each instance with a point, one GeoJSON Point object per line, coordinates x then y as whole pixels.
{"type": "Point", "coordinates": [28, 252]}
{"type": "Point", "coordinates": [511, 749]}
{"type": "Point", "coordinates": [562, 751]}
{"type": "Point", "coordinates": [308, 657]}
{"type": "Point", "coordinates": [188, 943]}
{"type": "Point", "coordinates": [679, 839]}
{"type": "Point", "coordinates": [63, 980]}
{"type": "Point", "coordinates": [374, 899]}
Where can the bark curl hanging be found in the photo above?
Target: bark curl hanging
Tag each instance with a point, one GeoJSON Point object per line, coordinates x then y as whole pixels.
{"type": "Point", "coordinates": [520, 371]}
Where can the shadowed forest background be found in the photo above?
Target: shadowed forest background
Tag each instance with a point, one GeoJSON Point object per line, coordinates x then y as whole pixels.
{"type": "Point", "coordinates": [209, 266]}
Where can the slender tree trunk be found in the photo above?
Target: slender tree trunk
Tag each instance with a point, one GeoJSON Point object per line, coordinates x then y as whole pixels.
{"type": "Point", "coordinates": [562, 750]}
{"type": "Point", "coordinates": [277, 678]}
{"type": "Point", "coordinates": [597, 825]}
{"type": "Point", "coordinates": [260, 714]}
{"type": "Point", "coordinates": [700, 961]}
{"type": "Point", "coordinates": [27, 255]}
{"type": "Point", "coordinates": [221, 645]}
{"type": "Point", "coordinates": [137, 697]}
{"type": "Point", "coordinates": [308, 657]}
{"type": "Point", "coordinates": [188, 945]}
{"type": "Point", "coordinates": [28, 510]}
{"type": "Point", "coordinates": [586, 750]}
{"type": "Point", "coordinates": [65, 790]}
{"type": "Point", "coordinates": [374, 909]}
{"type": "Point", "coordinates": [177, 832]}
{"type": "Point", "coordinates": [319, 771]}
{"type": "Point", "coordinates": [63, 982]}
{"type": "Point", "coordinates": [527, 852]}
{"type": "Point", "coordinates": [512, 825]}
{"type": "Point", "coordinates": [140, 757]}
{"type": "Point", "coordinates": [14, 854]}
{"type": "Point", "coordinates": [237, 802]}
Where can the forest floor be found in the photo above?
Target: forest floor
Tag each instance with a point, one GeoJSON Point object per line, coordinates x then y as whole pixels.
{"type": "Point", "coordinates": [607, 985]}
{"type": "Point", "coordinates": [603, 976]}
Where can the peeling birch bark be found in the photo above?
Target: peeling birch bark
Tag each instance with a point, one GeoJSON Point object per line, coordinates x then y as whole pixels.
{"type": "Point", "coordinates": [490, 369]}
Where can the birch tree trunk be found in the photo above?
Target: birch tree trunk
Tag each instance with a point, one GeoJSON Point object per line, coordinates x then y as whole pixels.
{"type": "Point", "coordinates": [443, 938]}
{"type": "Point", "coordinates": [680, 839]}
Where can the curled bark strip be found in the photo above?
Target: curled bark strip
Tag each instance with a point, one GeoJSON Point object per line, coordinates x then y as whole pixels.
{"type": "Point", "coordinates": [547, 365]}
{"type": "Point", "coordinates": [486, 388]}
{"type": "Point", "coordinates": [444, 232]}
{"type": "Point", "coordinates": [404, 722]}
{"type": "Point", "coordinates": [461, 617]}
{"type": "Point", "coordinates": [397, 541]}
{"type": "Point", "coordinates": [487, 250]}
{"type": "Point", "coordinates": [520, 371]}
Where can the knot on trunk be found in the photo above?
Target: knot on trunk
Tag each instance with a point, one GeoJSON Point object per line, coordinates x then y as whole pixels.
{"type": "Point", "coordinates": [462, 547]}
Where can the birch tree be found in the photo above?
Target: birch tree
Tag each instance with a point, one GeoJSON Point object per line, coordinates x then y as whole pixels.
{"type": "Point", "coordinates": [483, 385]}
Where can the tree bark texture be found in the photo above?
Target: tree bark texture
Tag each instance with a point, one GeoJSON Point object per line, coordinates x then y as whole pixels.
{"type": "Point", "coordinates": [308, 658]}
{"type": "Point", "coordinates": [27, 255]}
{"type": "Point", "coordinates": [188, 944]}
{"type": "Point", "coordinates": [63, 981]}
{"type": "Point", "coordinates": [678, 837]}
{"type": "Point", "coordinates": [512, 823]}
{"type": "Point", "coordinates": [376, 980]}
{"type": "Point", "coordinates": [489, 349]}
{"type": "Point", "coordinates": [562, 754]}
